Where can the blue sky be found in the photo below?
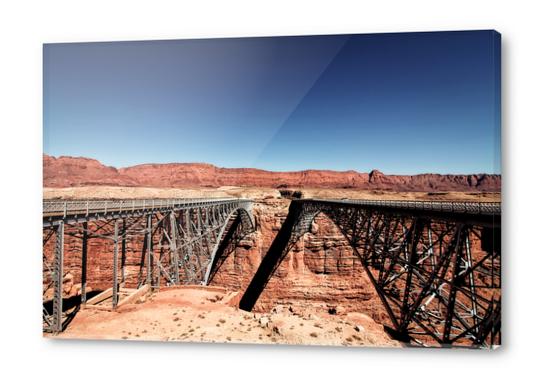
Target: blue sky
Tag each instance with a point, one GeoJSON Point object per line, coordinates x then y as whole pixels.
{"type": "Point", "coordinates": [403, 103]}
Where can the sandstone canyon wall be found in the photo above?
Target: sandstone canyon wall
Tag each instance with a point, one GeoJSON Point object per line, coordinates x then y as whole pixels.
{"type": "Point", "coordinates": [319, 274]}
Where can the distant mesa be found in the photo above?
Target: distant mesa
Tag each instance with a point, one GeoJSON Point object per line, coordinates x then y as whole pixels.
{"type": "Point", "coordinates": [78, 171]}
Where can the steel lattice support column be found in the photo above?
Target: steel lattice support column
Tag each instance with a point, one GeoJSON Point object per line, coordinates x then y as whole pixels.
{"type": "Point", "coordinates": [174, 250]}
{"type": "Point", "coordinates": [123, 254]}
{"type": "Point", "coordinates": [149, 249]}
{"type": "Point", "coordinates": [58, 275]}
{"type": "Point", "coordinates": [84, 252]}
{"type": "Point", "coordinates": [115, 266]}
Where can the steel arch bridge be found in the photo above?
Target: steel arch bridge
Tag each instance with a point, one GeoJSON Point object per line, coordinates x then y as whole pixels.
{"type": "Point", "coordinates": [436, 266]}
{"type": "Point", "coordinates": [181, 238]}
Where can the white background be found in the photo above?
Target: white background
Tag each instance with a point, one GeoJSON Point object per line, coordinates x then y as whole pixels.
{"type": "Point", "coordinates": [26, 25]}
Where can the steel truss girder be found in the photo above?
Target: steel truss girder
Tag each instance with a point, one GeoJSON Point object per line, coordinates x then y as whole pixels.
{"type": "Point", "coordinates": [175, 238]}
{"type": "Point", "coordinates": [408, 279]}
{"type": "Point", "coordinates": [434, 288]}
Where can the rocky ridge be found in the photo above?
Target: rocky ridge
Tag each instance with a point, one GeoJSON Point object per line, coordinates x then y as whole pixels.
{"type": "Point", "coordinates": [76, 171]}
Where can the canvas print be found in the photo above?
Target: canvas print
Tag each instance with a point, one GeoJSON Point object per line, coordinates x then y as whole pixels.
{"type": "Point", "coordinates": [336, 190]}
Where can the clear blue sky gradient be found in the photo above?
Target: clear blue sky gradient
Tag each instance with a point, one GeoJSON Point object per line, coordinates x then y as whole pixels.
{"type": "Point", "coordinates": [404, 103]}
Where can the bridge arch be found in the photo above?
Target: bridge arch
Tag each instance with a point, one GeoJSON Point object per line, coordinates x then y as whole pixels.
{"type": "Point", "coordinates": [246, 221]}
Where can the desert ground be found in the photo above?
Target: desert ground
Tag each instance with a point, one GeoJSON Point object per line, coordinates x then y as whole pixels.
{"type": "Point", "coordinates": [198, 314]}
{"type": "Point", "coordinates": [256, 193]}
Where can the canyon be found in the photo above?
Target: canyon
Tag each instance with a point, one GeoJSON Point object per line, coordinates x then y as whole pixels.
{"type": "Point", "coordinates": [320, 285]}
{"type": "Point", "coordinates": [321, 274]}
{"type": "Point", "coordinates": [319, 282]}
{"type": "Point", "coordinates": [319, 291]}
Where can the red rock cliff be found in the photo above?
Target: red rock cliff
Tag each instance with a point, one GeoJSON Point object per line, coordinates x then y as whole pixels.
{"type": "Point", "coordinates": [70, 171]}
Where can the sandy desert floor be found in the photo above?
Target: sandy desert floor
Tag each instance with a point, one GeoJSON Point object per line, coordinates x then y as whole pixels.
{"type": "Point", "coordinates": [198, 314]}
{"type": "Point", "coordinates": [106, 192]}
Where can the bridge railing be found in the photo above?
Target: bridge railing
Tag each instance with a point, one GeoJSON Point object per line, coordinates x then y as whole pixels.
{"type": "Point", "coordinates": [467, 207]}
{"type": "Point", "coordinates": [86, 207]}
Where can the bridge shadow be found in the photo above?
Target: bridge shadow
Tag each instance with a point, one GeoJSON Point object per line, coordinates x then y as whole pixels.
{"type": "Point", "coordinates": [227, 246]}
{"type": "Point", "coordinates": [141, 275]}
{"type": "Point", "coordinates": [235, 233]}
{"type": "Point", "coordinates": [72, 304]}
{"type": "Point", "coordinates": [281, 245]}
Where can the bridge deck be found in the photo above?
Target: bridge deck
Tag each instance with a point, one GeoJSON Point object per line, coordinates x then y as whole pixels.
{"type": "Point", "coordinates": [480, 213]}
{"type": "Point", "coordinates": [469, 207]}
{"type": "Point", "coordinates": [73, 210]}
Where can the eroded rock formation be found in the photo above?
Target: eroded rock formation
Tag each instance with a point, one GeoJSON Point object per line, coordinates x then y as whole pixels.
{"type": "Point", "coordinates": [70, 171]}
